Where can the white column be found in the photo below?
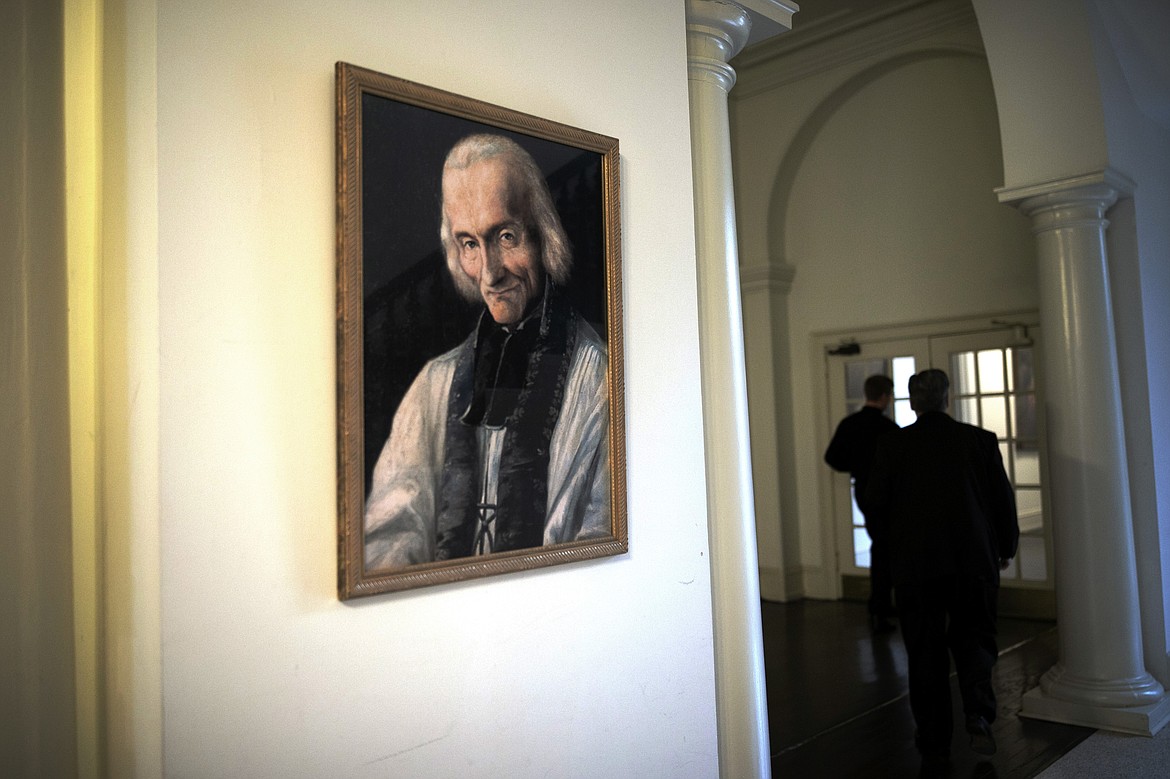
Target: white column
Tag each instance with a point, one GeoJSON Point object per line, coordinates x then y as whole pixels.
{"type": "Point", "coordinates": [1100, 680]}
{"type": "Point", "coordinates": [716, 31]}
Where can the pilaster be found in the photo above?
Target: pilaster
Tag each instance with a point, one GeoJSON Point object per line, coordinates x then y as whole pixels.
{"type": "Point", "coordinates": [765, 289]}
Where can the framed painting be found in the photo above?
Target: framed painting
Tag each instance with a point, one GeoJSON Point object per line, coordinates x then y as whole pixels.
{"type": "Point", "coordinates": [480, 414]}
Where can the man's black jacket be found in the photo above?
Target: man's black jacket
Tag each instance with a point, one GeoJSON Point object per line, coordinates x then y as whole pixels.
{"type": "Point", "coordinates": [949, 505]}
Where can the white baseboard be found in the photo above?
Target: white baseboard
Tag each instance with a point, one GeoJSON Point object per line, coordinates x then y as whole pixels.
{"type": "Point", "coordinates": [785, 584]}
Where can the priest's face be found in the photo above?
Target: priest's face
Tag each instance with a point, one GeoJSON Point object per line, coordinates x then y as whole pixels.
{"type": "Point", "coordinates": [486, 207]}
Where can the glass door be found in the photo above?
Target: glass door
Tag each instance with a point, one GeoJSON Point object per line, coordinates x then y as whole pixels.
{"type": "Point", "coordinates": [994, 386]}
{"type": "Point", "coordinates": [847, 372]}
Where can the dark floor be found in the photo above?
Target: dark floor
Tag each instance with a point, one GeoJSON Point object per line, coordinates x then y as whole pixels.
{"type": "Point", "coordinates": [837, 698]}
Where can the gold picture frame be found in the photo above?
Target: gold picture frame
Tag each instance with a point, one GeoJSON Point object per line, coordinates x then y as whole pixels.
{"type": "Point", "coordinates": [400, 316]}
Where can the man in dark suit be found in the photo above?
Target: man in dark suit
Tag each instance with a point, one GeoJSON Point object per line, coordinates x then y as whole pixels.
{"type": "Point", "coordinates": [953, 528]}
{"type": "Point", "coordinates": [851, 451]}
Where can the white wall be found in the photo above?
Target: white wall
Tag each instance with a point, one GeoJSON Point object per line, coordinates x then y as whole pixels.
{"type": "Point", "coordinates": [1063, 90]}
{"type": "Point", "coordinates": [871, 175]}
{"type": "Point", "coordinates": [601, 668]}
{"type": "Point", "coordinates": [1134, 71]}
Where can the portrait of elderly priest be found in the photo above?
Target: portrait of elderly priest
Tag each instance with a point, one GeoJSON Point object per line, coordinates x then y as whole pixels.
{"type": "Point", "coordinates": [502, 443]}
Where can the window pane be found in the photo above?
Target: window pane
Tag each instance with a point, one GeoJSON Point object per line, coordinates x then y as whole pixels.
{"type": "Point", "coordinates": [903, 414]}
{"type": "Point", "coordinates": [991, 377]}
{"type": "Point", "coordinates": [858, 517]}
{"type": "Point", "coordinates": [1033, 559]}
{"type": "Point", "coordinates": [1027, 465]}
{"type": "Point", "coordinates": [1029, 510]}
{"type": "Point", "coordinates": [963, 373]}
{"type": "Point", "coordinates": [1025, 377]}
{"type": "Point", "coordinates": [995, 415]}
{"type": "Point", "coordinates": [903, 370]}
{"type": "Point", "coordinates": [856, 372]}
{"type": "Point", "coordinates": [1024, 416]}
{"type": "Point", "coordinates": [861, 542]}
{"type": "Point", "coordinates": [1013, 569]}
{"type": "Point", "coordinates": [860, 548]}
{"type": "Point", "coordinates": [967, 410]}
{"type": "Point", "coordinates": [1005, 455]}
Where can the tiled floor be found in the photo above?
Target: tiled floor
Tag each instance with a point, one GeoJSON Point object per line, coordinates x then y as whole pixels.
{"type": "Point", "coordinates": [837, 698]}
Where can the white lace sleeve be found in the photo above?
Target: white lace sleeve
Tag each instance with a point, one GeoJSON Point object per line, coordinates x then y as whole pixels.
{"type": "Point", "coordinates": [579, 478]}
{"type": "Point", "coordinates": [400, 509]}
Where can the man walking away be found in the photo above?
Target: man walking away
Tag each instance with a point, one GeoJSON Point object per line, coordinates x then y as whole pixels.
{"type": "Point", "coordinates": [851, 451]}
{"type": "Point", "coordinates": [953, 528]}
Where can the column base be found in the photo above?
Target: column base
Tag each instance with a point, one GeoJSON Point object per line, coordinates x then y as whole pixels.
{"type": "Point", "coordinates": [1140, 720]}
{"type": "Point", "coordinates": [1141, 690]}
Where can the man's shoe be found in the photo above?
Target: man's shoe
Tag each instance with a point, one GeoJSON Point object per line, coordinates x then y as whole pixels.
{"type": "Point", "coordinates": [982, 741]}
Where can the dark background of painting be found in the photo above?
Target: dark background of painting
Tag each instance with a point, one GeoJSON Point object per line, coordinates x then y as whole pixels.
{"type": "Point", "coordinates": [411, 311]}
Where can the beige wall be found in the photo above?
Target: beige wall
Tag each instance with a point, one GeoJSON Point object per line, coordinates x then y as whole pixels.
{"type": "Point", "coordinates": [599, 668]}
{"type": "Point", "coordinates": [870, 178]}
{"type": "Point", "coordinates": [38, 736]}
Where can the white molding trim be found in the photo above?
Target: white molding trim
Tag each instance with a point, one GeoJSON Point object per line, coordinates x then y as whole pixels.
{"type": "Point", "coordinates": [1108, 177]}
{"type": "Point", "coordinates": [773, 584]}
{"type": "Point", "coordinates": [782, 585]}
{"type": "Point", "coordinates": [922, 328]}
{"type": "Point", "coordinates": [769, 17]}
{"type": "Point", "coordinates": [879, 32]}
{"type": "Point", "coordinates": [778, 11]}
{"type": "Point", "coordinates": [769, 278]}
{"type": "Point", "coordinates": [818, 581]}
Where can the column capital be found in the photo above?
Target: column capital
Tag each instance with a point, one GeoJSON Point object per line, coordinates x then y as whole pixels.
{"type": "Point", "coordinates": [769, 277]}
{"type": "Point", "coordinates": [1076, 197]}
{"type": "Point", "coordinates": [1077, 201]}
{"type": "Point", "coordinates": [717, 30]}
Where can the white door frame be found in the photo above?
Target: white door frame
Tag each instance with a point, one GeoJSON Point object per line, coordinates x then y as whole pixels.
{"type": "Point", "coordinates": [822, 343]}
